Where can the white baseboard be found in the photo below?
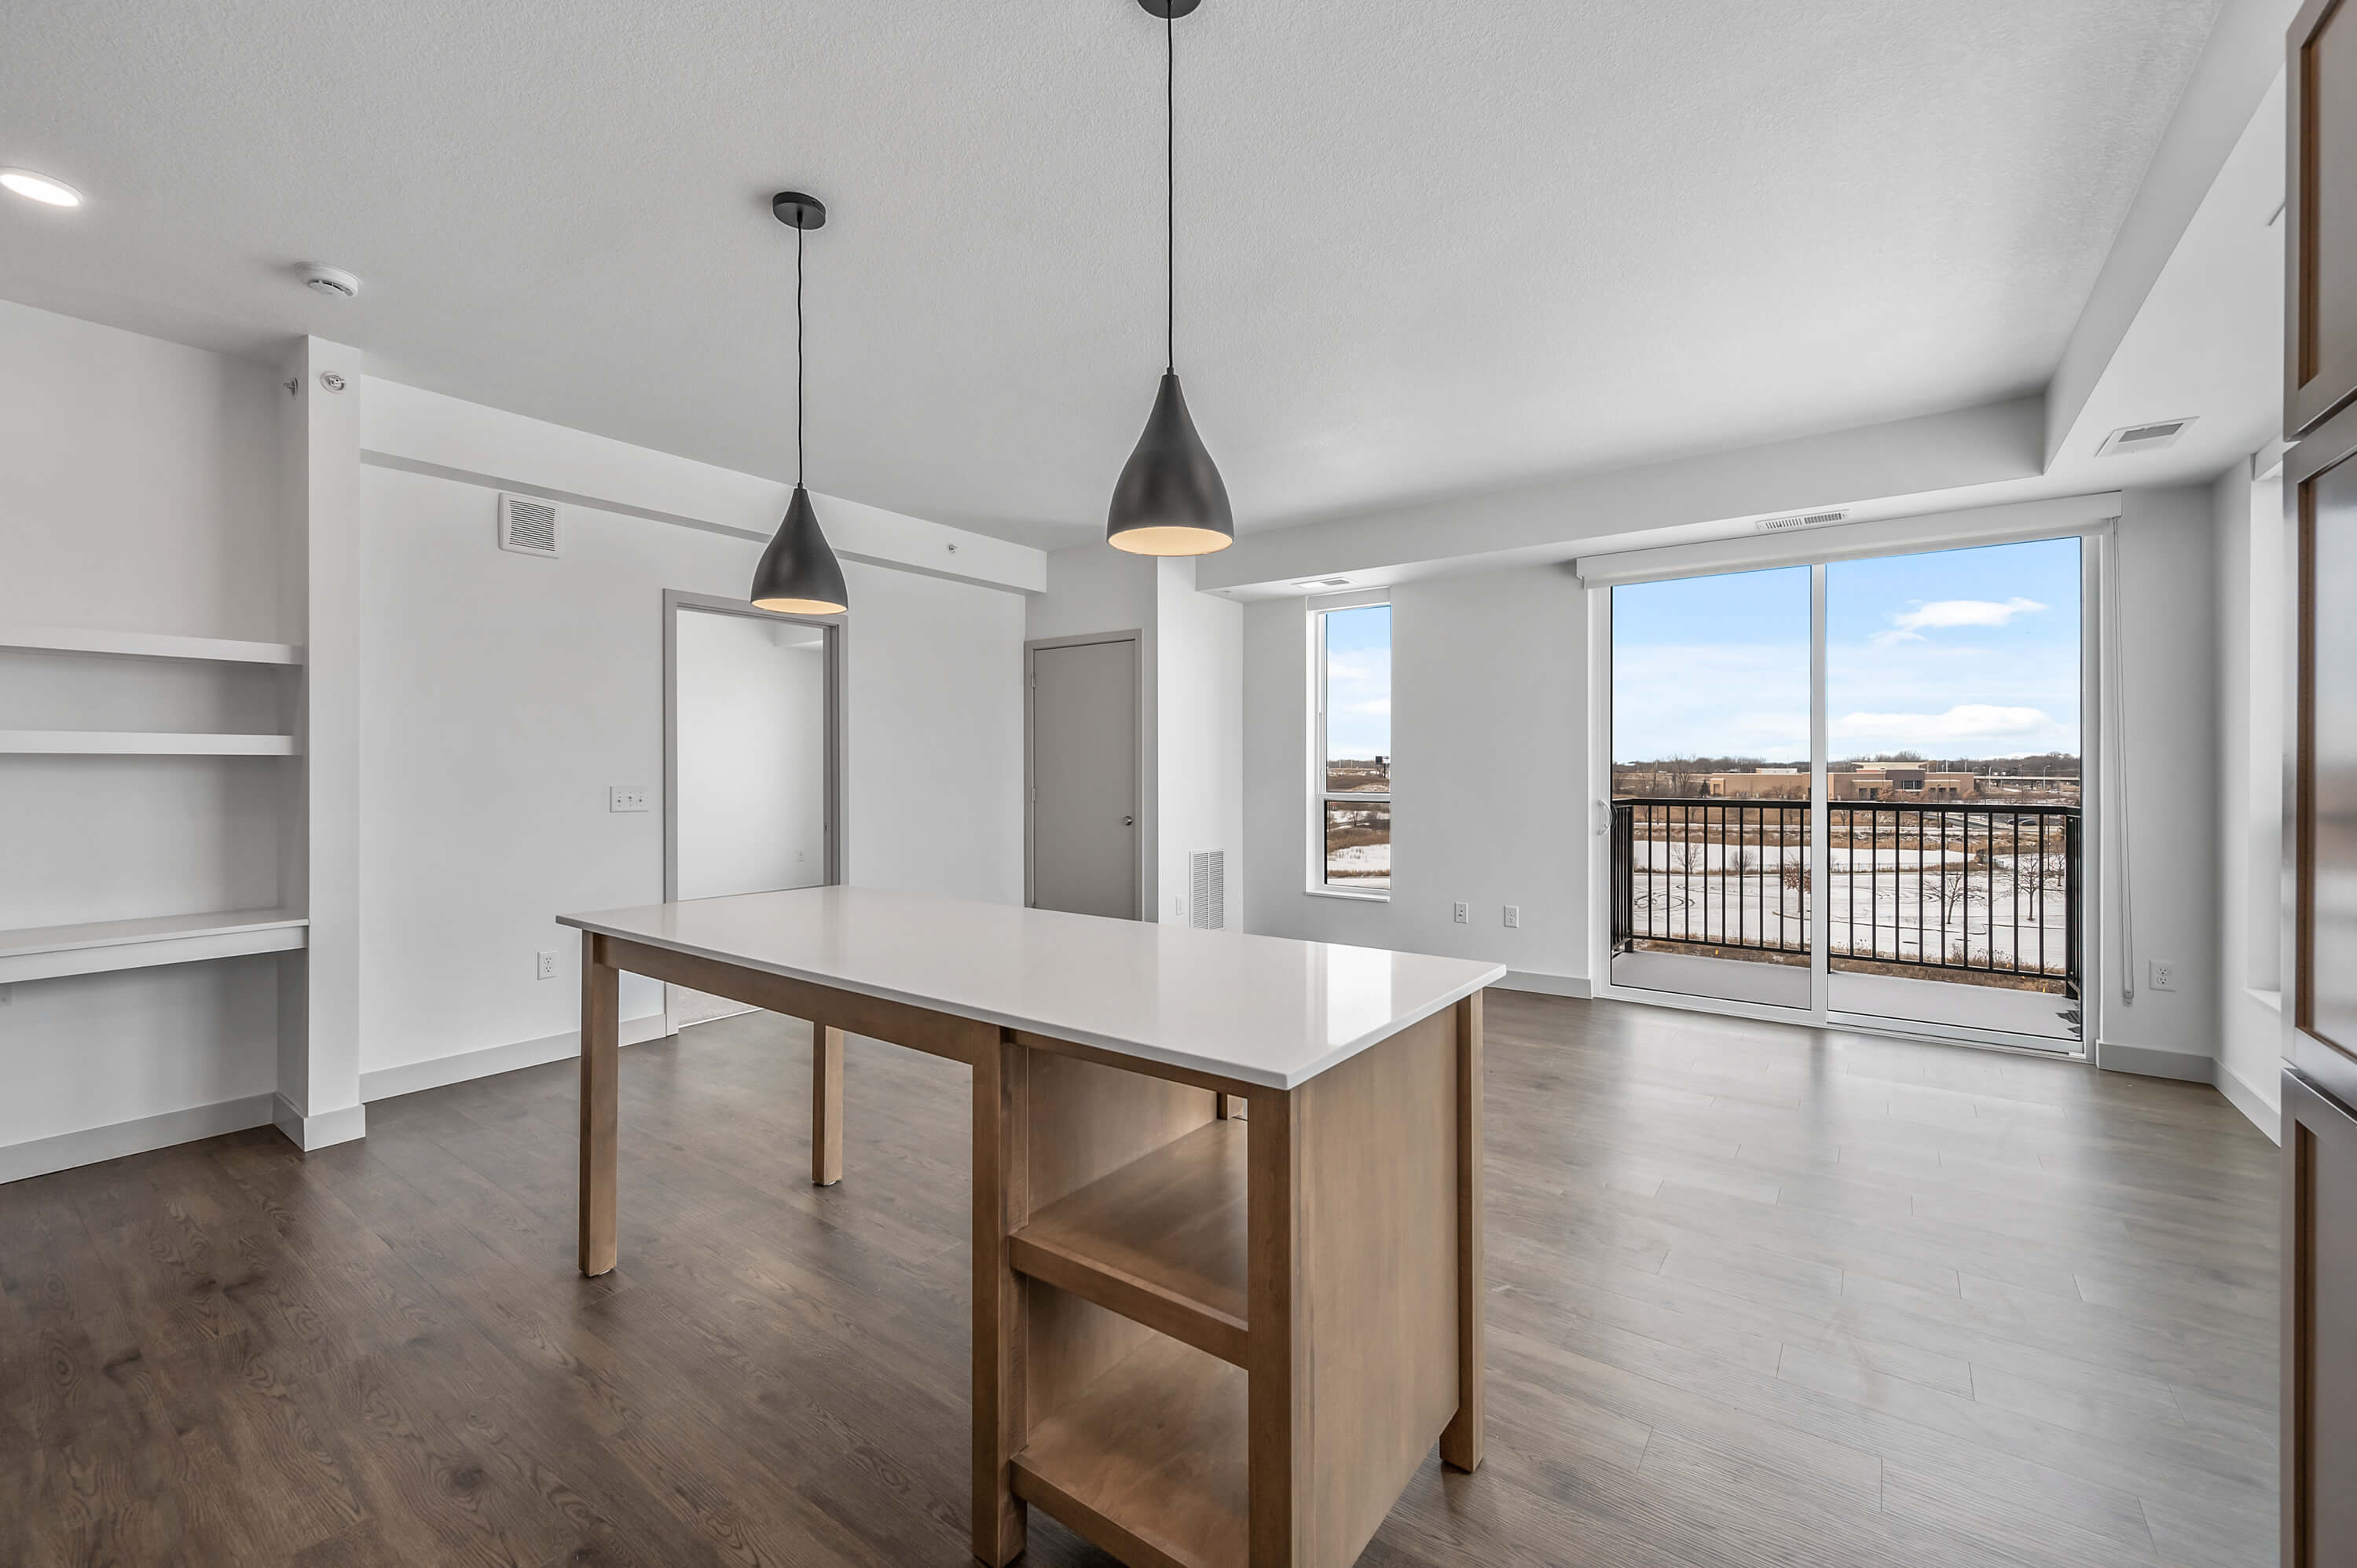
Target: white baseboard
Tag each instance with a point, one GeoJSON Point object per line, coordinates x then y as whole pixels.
{"type": "Point", "coordinates": [389, 1083]}
{"type": "Point", "coordinates": [321, 1128]}
{"type": "Point", "coordinates": [2267, 1118]}
{"type": "Point", "coordinates": [2147, 1061]}
{"type": "Point", "coordinates": [1546, 984]}
{"type": "Point", "coordinates": [91, 1144]}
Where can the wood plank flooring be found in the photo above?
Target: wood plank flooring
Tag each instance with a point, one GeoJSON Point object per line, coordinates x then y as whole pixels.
{"type": "Point", "coordinates": [1759, 1297]}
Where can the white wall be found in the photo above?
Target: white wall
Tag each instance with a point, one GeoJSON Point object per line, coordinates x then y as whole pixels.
{"type": "Point", "coordinates": [138, 491]}
{"type": "Point", "coordinates": [504, 695]}
{"type": "Point", "coordinates": [2166, 697]}
{"type": "Point", "coordinates": [1199, 677]}
{"type": "Point", "coordinates": [1489, 738]}
{"type": "Point", "coordinates": [935, 797]}
{"type": "Point", "coordinates": [751, 737]}
{"type": "Point", "coordinates": [2254, 633]}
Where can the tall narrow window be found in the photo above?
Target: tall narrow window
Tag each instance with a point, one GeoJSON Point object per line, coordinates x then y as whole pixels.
{"type": "Point", "coordinates": [1352, 745]}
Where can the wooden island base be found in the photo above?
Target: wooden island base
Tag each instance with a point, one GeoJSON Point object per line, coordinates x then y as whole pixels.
{"type": "Point", "coordinates": [1201, 1339]}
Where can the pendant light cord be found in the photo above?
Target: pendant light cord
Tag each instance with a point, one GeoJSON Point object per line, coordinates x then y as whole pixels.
{"type": "Point", "coordinates": [798, 357]}
{"type": "Point", "coordinates": [1169, 193]}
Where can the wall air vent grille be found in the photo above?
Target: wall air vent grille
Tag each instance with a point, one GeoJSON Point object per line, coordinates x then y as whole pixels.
{"type": "Point", "coordinates": [2142, 437]}
{"type": "Point", "coordinates": [1805, 519]}
{"type": "Point", "coordinates": [527, 526]}
{"type": "Point", "coordinates": [1207, 877]}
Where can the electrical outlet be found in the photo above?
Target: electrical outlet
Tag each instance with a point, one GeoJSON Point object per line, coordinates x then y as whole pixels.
{"type": "Point", "coordinates": [1179, 908]}
{"type": "Point", "coordinates": [547, 967]}
{"type": "Point", "coordinates": [2164, 975]}
{"type": "Point", "coordinates": [1514, 917]}
{"type": "Point", "coordinates": [626, 798]}
{"type": "Point", "coordinates": [1464, 913]}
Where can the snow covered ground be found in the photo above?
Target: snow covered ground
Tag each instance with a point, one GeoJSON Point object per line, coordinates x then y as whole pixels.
{"type": "Point", "coordinates": [1902, 904]}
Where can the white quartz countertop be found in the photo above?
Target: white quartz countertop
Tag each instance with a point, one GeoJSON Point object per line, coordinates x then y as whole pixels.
{"type": "Point", "coordinates": [1263, 1010]}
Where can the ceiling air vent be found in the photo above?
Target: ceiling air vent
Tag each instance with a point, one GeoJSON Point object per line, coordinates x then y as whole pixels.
{"type": "Point", "coordinates": [1323, 583]}
{"type": "Point", "coordinates": [2142, 437]}
{"type": "Point", "coordinates": [1806, 519]}
{"type": "Point", "coordinates": [527, 526]}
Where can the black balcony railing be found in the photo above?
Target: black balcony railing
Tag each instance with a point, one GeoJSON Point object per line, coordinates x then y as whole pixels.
{"type": "Point", "coordinates": [1990, 889]}
{"type": "Point", "coordinates": [1721, 874]}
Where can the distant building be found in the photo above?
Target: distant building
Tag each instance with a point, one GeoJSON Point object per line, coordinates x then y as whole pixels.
{"type": "Point", "coordinates": [1879, 782]}
{"type": "Point", "coordinates": [1758, 784]}
{"type": "Point", "coordinates": [1884, 782]}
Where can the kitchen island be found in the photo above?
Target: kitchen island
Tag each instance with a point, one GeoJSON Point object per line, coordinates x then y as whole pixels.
{"type": "Point", "coordinates": [1227, 1196]}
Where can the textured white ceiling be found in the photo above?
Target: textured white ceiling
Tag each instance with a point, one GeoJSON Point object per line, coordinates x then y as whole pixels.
{"type": "Point", "coordinates": [1424, 248]}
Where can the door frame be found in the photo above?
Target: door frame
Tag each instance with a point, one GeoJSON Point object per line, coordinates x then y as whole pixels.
{"type": "Point", "coordinates": [834, 652]}
{"type": "Point", "coordinates": [2098, 578]}
{"type": "Point", "coordinates": [1135, 638]}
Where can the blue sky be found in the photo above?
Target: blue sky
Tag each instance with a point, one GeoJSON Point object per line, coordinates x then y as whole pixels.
{"type": "Point", "coordinates": [1956, 652]}
{"type": "Point", "coordinates": [1359, 681]}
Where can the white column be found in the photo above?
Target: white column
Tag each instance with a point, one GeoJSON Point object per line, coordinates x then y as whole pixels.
{"type": "Point", "coordinates": [318, 1043]}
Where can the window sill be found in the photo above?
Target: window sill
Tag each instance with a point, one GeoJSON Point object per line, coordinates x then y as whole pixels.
{"type": "Point", "coordinates": [1348, 896]}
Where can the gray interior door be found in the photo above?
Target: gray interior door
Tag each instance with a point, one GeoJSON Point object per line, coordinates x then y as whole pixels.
{"type": "Point", "coordinates": [1085, 797]}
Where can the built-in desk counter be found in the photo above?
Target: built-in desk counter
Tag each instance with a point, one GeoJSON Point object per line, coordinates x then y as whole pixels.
{"type": "Point", "coordinates": [1200, 1337]}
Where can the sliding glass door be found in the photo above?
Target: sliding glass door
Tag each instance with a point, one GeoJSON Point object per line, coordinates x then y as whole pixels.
{"type": "Point", "coordinates": [1953, 686]}
{"type": "Point", "coordinates": [1711, 798]}
{"type": "Point", "coordinates": [1902, 734]}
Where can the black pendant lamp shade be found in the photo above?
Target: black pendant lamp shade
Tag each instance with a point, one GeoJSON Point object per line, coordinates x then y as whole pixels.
{"type": "Point", "coordinates": [799, 573]}
{"type": "Point", "coordinates": [1171, 499]}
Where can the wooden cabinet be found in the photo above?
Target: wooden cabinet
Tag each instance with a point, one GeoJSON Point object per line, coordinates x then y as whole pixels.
{"type": "Point", "coordinates": [2319, 1349]}
{"type": "Point", "coordinates": [2319, 1130]}
{"type": "Point", "coordinates": [2320, 212]}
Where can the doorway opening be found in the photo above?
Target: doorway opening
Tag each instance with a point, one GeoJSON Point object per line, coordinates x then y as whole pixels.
{"type": "Point", "coordinates": [752, 726]}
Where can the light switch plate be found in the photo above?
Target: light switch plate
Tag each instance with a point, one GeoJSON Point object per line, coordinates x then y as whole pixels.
{"type": "Point", "coordinates": [626, 798]}
{"type": "Point", "coordinates": [1514, 917]}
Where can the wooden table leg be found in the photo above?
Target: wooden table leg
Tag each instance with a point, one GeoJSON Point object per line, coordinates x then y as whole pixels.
{"type": "Point", "coordinates": [826, 1104]}
{"type": "Point", "coordinates": [600, 1060]}
{"type": "Point", "coordinates": [1276, 1424]}
{"type": "Point", "coordinates": [1461, 1440]}
{"type": "Point", "coordinates": [1002, 1204]}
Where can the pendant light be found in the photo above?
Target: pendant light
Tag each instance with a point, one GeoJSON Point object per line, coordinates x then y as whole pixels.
{"type": "Point", "coordinates": [799, 573]}
{"type": "Point", "coordinates": [1170, 500]}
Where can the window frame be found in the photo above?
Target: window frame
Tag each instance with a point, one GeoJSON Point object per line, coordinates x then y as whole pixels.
{"type": "Point", "coordinates": [1316, 609]}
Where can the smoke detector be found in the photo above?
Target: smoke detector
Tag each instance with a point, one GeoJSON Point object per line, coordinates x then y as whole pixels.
{"type": "Point", "coordinates": [333, 282]}
{"type": "Point", "coordinates": [1805, 519]}
{"type": "Point", "coordinates": [2142, 437]}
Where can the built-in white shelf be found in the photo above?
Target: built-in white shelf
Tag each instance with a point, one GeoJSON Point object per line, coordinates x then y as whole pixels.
{"type": "Point", "coordinates": [140, 742]}
{"type": "Point", "coordinates": [147, 645]}
{"type": "Point", "coordinates": [46, 952]}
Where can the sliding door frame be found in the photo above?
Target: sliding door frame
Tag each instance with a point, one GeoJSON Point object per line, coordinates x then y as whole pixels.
{"type": "Point", "coordinates": [2093, 521]}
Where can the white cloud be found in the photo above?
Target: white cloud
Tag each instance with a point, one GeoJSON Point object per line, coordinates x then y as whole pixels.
{"type": "Point", "coordinates": [1967, 725]}
{"type": "Point", "coordinates": [1963, 612]}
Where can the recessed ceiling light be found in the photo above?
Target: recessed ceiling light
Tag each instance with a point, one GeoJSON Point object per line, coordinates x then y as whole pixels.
{"type": "Point", "coordinates": [39, 187]}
